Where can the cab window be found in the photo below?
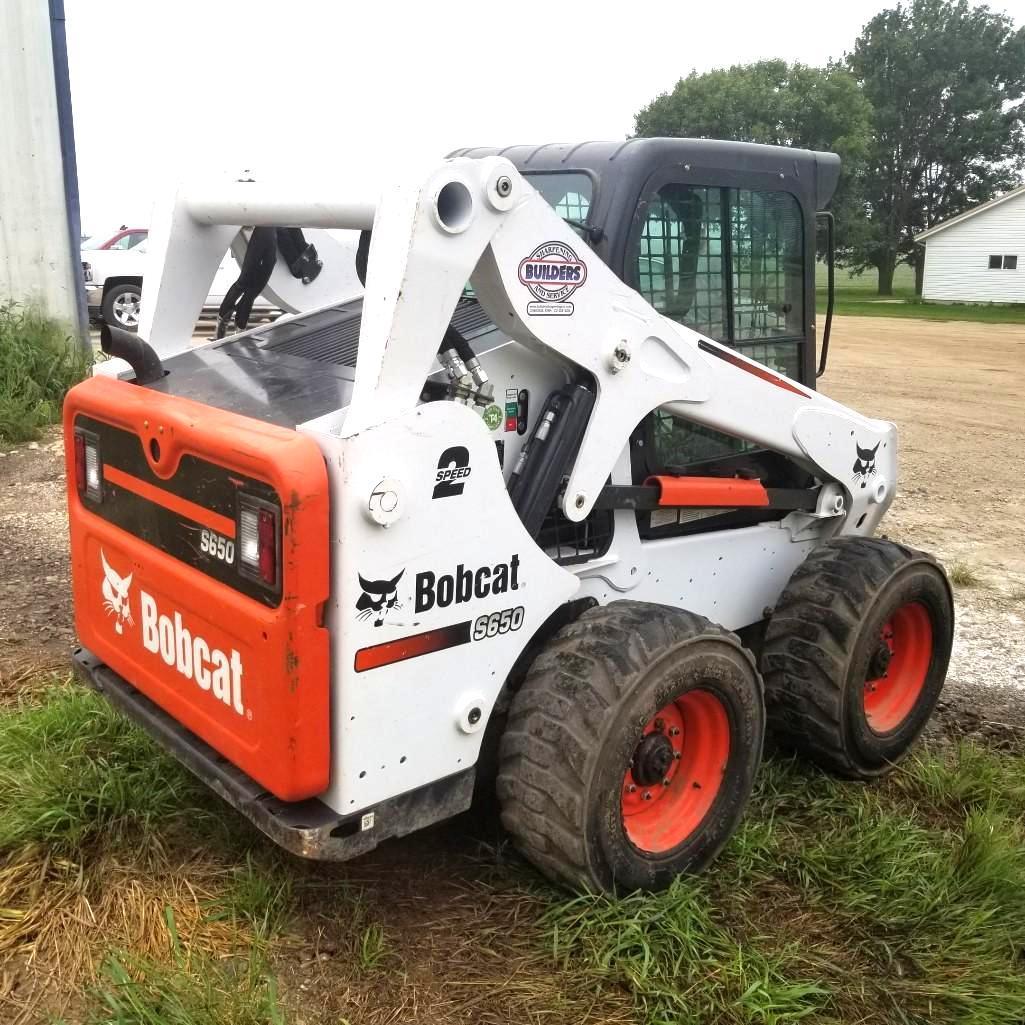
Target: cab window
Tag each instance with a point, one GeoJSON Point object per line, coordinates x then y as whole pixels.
{"type": "Point", "coordinates": [728, 263]}
{"type": "Point", "coordinates": [569, 193]}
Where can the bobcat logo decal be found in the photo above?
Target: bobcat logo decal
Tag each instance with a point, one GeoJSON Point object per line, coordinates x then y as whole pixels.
{"type": "Point", "coordinates": [379, 597]}
{"type": "Point", "coordinates": [865, 464]}
{"type": "Point", "coordinates": [115, 595]}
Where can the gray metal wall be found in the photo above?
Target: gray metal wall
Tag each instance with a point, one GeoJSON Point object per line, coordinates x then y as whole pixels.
{"type": "Point", "coordinates": [38, 258]}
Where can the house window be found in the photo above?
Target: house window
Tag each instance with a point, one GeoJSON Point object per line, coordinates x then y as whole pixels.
{"type": "Point", "coordinates": [1005, 262]}
{"type": "Point", "coordinates": [1010, 263]}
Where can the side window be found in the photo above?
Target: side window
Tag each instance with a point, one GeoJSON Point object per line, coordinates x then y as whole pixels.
{"type": "Point", "coordinates": [124, 242]}
{"type": "Point", "coordinates": [135, 238]}
{"type": "Point", "coordinates": [680, 267]}
{"type": "Point", "coordinates": [730, 264]}
{"type": "Point", "coordinates": [767, 248]}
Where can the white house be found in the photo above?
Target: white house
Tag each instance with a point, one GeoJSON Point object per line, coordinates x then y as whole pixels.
{"type": "Point", "coordinates": [978, 256]}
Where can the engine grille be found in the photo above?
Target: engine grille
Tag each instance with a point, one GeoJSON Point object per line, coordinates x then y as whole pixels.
{"type": "Point", "coordinates": [332, 336]}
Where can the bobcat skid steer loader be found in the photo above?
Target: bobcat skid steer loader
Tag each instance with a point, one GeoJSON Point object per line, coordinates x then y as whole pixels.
{"type": "Point", "coordinates": [555, 500]}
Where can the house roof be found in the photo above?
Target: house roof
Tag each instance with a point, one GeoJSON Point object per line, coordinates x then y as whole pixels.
{"type": "Point", "coordinates": [936, 228]}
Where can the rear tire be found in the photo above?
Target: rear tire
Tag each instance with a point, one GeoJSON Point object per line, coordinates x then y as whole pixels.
{"type": "Point", "coordinates": [856, 653]}
{"type": "Point", "coordinates": [120, 306]}
{"type": "Point", "coordinates": [629, 700]}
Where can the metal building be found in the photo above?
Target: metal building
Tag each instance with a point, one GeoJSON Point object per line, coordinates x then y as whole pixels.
{"type": "Point", "coordinates": [39, 218]}
{"type": "Point", "coordinates": [978, 256]}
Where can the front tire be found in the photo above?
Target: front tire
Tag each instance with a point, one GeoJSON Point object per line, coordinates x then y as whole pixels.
{"type": "Point", "coordinates": [856, 653]}
{"type": "Point", "coordinates": [631, 748]}
{"type": "Point", "coordinates": [120, 306]}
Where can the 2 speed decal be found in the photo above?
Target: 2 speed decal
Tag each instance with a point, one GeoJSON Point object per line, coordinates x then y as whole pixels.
{"type": "Point", "coordinates": [453, 469]}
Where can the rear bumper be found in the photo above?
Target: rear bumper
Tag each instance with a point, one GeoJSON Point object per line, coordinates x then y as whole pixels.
{"type": "Point", "coordinates": [307, 828]}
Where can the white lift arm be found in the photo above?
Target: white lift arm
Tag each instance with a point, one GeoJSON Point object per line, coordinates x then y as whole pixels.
{"type": "Point", "coordinates": [480, 221]}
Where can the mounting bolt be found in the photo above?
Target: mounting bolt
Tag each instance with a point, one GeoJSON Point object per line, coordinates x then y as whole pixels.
{"type": "Point", "coordinates": [660, 724]}
{"type": "Point", "coordinates": [665, 782]}
{"type": "Point", "coordinates": [473, 716]}
{"type": "Point", "coordinates": [503, 186]}
{"type": "Point", "coordinates": [579, 501]}
{"type": "Point", "coordinates": [620, 357]}
{"type": "Point", "coordinates": [632, 788]}
{"type": "Point", "coordinates": [676, 756]}
{"type": "Point", "coordinates": [674, 731]}
{"type": "Point", "coordinates": [647, 795]}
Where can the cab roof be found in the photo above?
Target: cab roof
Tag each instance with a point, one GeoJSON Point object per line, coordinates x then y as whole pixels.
{"type": "Point", "coordinates": [816, 172]}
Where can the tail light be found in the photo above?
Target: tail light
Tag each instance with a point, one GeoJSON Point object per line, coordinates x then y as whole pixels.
{"type": "Point", "coordinates": [259, 541]}
{"type": "Point", "coordinates": [88, 466]}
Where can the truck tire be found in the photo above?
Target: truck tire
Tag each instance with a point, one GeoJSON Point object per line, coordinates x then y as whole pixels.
{"type": "Point", "coordinates": [631, 748]}
{"type": "Point", "coordinates": [856, 653]}
{"type": "Point", "coordinates": [120, 306]}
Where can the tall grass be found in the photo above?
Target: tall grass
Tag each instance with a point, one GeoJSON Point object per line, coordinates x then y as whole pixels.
{"type": "Point", "coordinates": [193, 989]}
{"type": "Point", "coordinates": [898, 902]}
{"type": "Point", "coordinates": [73, 770]}
{"type": "Point", "coordinates": [39, 362]}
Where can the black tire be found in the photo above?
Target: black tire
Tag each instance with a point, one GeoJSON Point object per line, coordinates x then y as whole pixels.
{"type": "Point", "coordinates": [115, 299]}
{"type": "Point", "coordinates": [577, 724]}
{"type": "Point", "coordinates": [824, 668]}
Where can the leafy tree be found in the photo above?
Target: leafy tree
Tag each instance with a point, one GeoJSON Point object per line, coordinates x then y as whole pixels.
{"type": "Point", "coordinates": [946, 82]}
{"type": "Point", "coordinates": [780, 104]}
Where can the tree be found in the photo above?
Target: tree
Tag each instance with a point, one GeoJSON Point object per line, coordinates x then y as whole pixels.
{"type": "Point", "coordinates": [946, 84]}
{"type": "Point", "coordinates": [780, 104]}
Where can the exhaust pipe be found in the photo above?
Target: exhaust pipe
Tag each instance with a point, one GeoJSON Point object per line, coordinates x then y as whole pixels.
{"type": "Point", "coordinates": [138, 354]}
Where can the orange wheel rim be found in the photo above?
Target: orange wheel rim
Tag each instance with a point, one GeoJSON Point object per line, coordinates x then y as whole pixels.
{"type": "Point", "coordinates": [899, 666]}
{"type": "Point", "coordinates": [676, 771]}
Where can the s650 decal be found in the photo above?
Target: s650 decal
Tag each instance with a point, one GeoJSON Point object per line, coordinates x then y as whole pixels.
{"type": "Point", "coordinates": [497, 623]}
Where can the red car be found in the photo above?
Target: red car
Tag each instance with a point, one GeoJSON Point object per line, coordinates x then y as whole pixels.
{"type": "Point", "coordinates": [123, 238]}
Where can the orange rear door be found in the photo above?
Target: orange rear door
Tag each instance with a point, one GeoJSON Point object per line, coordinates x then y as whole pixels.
{"type": "Point", "coordinates": [200, 559]}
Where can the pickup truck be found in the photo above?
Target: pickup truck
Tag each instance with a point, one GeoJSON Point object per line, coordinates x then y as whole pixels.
{"type": "Point", "coordinates": [113, 285]}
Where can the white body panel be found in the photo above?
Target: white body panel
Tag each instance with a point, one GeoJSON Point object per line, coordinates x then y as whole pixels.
{"type": "Point", "coordinates": [401, 725]}
{"type": "Point", "coordinates": [957, 256]}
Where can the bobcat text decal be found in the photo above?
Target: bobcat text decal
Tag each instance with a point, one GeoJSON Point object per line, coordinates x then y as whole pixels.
{"type": "Point", "coordinates": [190, 654]}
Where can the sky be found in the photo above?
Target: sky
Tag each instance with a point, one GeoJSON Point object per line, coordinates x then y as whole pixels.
{"type": "Point", "coordinates": [166, 89]}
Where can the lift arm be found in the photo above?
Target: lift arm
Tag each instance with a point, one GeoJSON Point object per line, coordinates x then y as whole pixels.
{"type": "Point", "coordinates": [479, 220]}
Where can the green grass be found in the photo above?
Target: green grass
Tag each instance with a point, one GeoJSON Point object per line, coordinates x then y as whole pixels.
{"type": "Point", "coordinates": [898, 902]}
{"type": "Point", "coordinates": [39, 362]}
{"type": "Point", "coordinates": [258, 897]}
{"type": "Point", "coordinates": [856, 296]}
{"type": "Point", "coordinates": [193, 988]}
{"type": "Point", "coordinates": [73, 770]}
{"type": "Point", "coordinates": [963, 575]}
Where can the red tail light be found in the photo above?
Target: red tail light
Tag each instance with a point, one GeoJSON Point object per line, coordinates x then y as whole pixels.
{"type": "Point", "coordinates": [268, 534]}
{"type": "Point", "coordinates": [80, 462]}
{"type": "Point", "coordinates": [258, 542]}
{"type": "Point", "coordinates": [88, 466]}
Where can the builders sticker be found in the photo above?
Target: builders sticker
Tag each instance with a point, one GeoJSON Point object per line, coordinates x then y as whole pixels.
{"type": "Point", "coordinates": [552, 273]}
